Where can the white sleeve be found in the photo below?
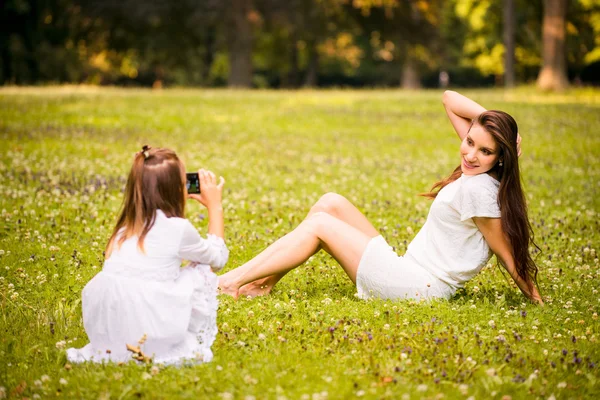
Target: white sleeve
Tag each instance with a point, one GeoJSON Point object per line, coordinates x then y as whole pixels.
{"type": "Point", "coordinates": [476, 200]}
{"type": "Point", "coordinates": [212, 250]}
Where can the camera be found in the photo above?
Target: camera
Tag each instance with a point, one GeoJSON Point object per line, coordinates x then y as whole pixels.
{"type": "Point", "coordinates": [192, 182]}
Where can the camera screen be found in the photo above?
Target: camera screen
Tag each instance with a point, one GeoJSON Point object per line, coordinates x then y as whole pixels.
{"type": "Point", "coordinates": [193, 182]}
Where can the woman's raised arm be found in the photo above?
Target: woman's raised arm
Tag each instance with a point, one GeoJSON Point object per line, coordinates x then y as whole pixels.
{"type": "Point", "coordinates": [491, 228]}
{"type": "Point", "coordinates": [461, 110]}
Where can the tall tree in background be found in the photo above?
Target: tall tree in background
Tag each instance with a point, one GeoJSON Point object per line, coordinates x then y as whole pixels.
{"type": "Point", "coordinates": [422, 35]}
{"type": "Point", "coordinates": [553, 75]}
{"type": "Point", "coordinates": [317, 19]}
{"type": "Point", "coordinates": [412, 30]}
{"type": "Point", "coordinates": [292, 33]}
{"type": "Point", "coordinates": [509, 43]}
{"type": "Point", "coordinates": [240, 40]}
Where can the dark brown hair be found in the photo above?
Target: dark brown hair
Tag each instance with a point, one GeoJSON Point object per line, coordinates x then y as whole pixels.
{"type": "Point", "coordinates": [156, 181]}
{"type": "Point", "coordinates": [511, 198]}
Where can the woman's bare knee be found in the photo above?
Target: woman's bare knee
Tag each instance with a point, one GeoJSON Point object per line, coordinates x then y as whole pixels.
{"type": "Point", "coordinates": [344, 242]}
{"type": "Point", "coordinates": [329, 203]}
{"type": "Point", "coordinates": [318, 221]}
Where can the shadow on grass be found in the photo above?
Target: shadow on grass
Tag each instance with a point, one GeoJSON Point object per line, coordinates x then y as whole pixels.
{"type": "Point", "coordinates": [505, 296]}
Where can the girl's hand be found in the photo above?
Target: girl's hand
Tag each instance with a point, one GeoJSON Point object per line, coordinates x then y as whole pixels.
{"type": "Point", "coordinates": [211, 192]}
{"type": "Point", "coordinates": [518, 145]}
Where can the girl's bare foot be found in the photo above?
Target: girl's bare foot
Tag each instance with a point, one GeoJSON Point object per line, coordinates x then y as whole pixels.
{"type": "Point", "coordinates": [260, 287]}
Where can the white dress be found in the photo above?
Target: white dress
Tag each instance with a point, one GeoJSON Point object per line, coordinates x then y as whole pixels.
{"type": "Point", "coordinates": [139, 294]}
{"type": "Point", "coordinates": [447, 252]}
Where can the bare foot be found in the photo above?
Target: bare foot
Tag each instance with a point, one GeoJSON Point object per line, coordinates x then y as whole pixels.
{"type": "Point", "coordinates": [260, 287]}
{"type": "Point", "coordinates": [226, 287]}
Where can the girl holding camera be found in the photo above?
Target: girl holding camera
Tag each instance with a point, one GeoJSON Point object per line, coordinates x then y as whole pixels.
{"type": "Point", "coordinates": [142, 301]}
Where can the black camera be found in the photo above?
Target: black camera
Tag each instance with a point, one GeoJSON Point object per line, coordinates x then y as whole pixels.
{"type": "Point", "coordinates": [192, 182]}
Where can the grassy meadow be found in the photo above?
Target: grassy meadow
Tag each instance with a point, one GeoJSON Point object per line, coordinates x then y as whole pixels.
{"type": "Point", "coordinates": [64, 156]}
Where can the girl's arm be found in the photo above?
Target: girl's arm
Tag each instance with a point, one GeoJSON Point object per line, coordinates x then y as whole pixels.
{"type": "Point", "coordinates": [212, 250]}
{"type": "Point", "coordinates": [491, 228]}
{"type": "Point", "coordinates": [210, 197]}
{"type": "Point", "coordinates": [461, 111]}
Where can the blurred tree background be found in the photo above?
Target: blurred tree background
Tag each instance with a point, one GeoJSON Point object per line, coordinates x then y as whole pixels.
{"type": "Point", "coordinates": [301, 43]}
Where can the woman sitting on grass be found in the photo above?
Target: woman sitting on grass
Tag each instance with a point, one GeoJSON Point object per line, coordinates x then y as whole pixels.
{"type": "Point", "coordinates": [478, 208]}
{"type": "Point", "coordinates": [142, 296]}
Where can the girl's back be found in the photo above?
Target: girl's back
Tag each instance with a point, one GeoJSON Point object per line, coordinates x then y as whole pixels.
{"type": "Point", "coordinates": [168, 242]}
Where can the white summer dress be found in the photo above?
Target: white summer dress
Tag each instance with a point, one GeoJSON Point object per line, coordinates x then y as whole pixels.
{"type": "Point", "coordinates": [139, 294]}
{"type": "Point", "coordinates": [447, 252]}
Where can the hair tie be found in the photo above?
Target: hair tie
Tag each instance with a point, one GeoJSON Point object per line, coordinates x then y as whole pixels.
{"type": "Point", "coordinates": [145, 151]}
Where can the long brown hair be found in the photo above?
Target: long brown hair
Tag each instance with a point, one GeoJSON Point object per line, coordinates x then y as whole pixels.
{"type": "Point", "coordinates": [156, 181]}
{"type": "Point", "coordinates": [511, 199]}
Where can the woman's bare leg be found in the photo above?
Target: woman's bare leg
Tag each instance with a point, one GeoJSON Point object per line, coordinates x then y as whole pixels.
{"type": "Point", "coordinates": [331, 203]}
{"type": "Point", "coordinates": [341, 208]}
{"type": "Point", "coordinates": [320, 230]}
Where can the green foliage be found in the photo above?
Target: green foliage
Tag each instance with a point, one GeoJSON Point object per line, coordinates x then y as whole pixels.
{"type": "Point", "coordinates": [64, 157]}
{"type": "Point", "coordinates": [366, 42]}
{"type": "Point", "coordinates": [583, 39]}
{"type": "Point", "coordinates": [483, 47]}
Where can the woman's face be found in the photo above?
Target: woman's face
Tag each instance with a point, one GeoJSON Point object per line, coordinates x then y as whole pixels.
{"type": "Point", "coordinates": [479, 152]}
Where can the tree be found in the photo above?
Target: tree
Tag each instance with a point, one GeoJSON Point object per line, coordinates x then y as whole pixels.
{"type": "Point", "coordinates": [240, 43]}
{"type": "Point", "coordinates": [39, 40]}
{"type": "Point", "coordinates": [409, 31]}
{"type": "Point", "coordinates": [509, 43]}
{"type": "Point", "coordinates": [583, 39]}
{"type": "Point", "coordinates": [553, 75]}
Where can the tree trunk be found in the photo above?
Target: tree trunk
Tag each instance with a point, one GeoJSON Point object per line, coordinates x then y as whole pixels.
{"type": "Point", "coordinates": [240, 44]}
{"type": "Point", "coordinates": [6, 75]}
{"type": "Point", "coordinates": [553, 75]}
{"type": "Point", "coordinates": [209, 55]}
{"type": "Point", "coordinates": [31, 41]}
{"type": "Point", "coordinates": [293, 73]}
{"type": "Point", "coordinates": [312, 71]}
{"type": "Point", "coordinates": [509, 43]}
{"type": "Point", "coordinates": [410, 74]}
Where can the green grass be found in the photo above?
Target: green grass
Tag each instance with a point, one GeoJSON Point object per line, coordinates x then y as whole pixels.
{"type": "Point", "coordinates": [65, 153]}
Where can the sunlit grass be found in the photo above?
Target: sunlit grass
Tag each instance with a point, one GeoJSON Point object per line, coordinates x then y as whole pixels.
{"type": "Point", "coordinates": [65, 154]}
